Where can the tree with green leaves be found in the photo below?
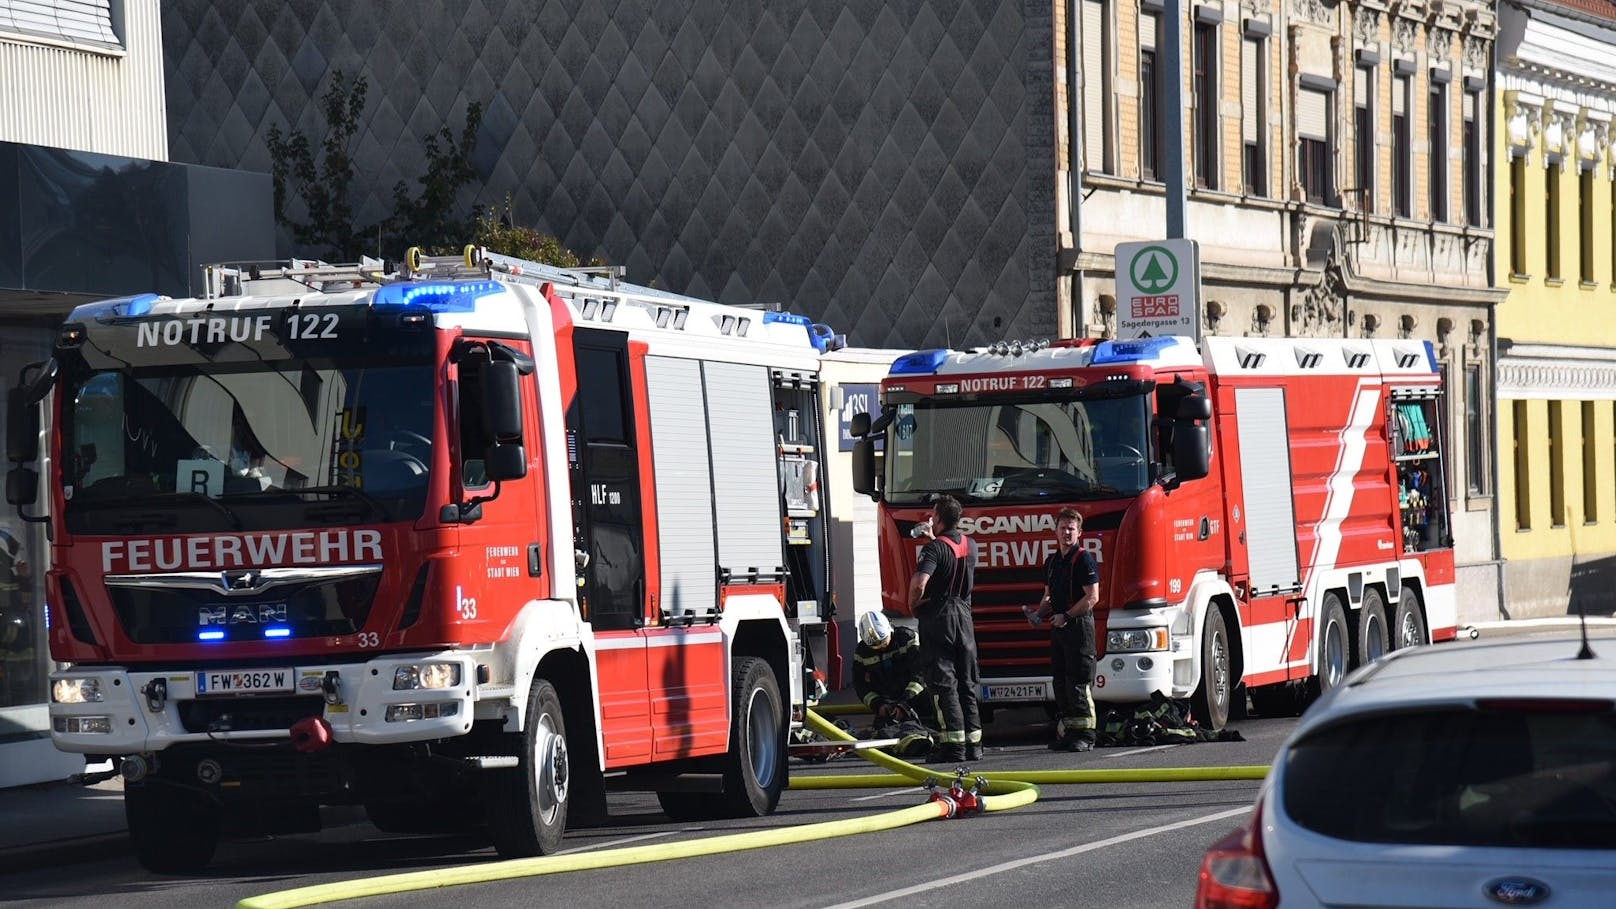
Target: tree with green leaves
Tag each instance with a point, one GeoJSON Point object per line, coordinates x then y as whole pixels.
{"type": "Point", "coordinates": [324, 181]}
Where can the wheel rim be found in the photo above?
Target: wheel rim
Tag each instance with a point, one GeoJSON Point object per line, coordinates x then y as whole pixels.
{"type": "Point", "coordinates": [1220, 670]}
{"type": "Point", "coordinates": [763, 728]}
{"type": "Point", "coordinates": [1408, 631]}
{"type": "Point", "coordinates": [552, 770]}
{"type": "Point", "coordinates": [1373, 648]}
{"type": "Point", "coordinates": [1335, 653]}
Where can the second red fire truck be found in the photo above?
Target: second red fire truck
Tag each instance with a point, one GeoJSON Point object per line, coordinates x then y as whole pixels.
{"type": "Point", "coordinates": [1267, 513]}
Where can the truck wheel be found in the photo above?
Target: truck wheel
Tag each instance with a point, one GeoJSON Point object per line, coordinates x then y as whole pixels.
{"type": "Point", "coordinates": [1333, 647]}
{"type": "Point", "coordinates": [1210, 704]}
{"type": "Point", "coordinates": [754, 768]}
{"type": "Point", "coordinates": [1369, 644]}
{"type": "Point", "coordinates": [1408, 628]}
{"type": "Point", "coordinates": [174, 830]}
{"type": "Point", "coordinates": [527, 807]}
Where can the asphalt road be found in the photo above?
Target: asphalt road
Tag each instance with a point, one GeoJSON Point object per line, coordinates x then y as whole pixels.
{"type": "Point", "coordinates": [1110, 845]}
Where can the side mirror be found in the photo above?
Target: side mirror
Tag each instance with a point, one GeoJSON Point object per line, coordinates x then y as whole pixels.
{"type": "Point", "coordinates": [859, 426]}
{"type": "Point", "coordinates": [22, 427]}
{"type": "Point", "coordinates": [22, 486]}
{"type": "Point", "coordinates": [506, 461]}
{"type": "Point", "coordinates": [864, 468]}
{"type": "Point", "coordinates": [502, 400]}
{"type": "Point", "coordinates": [1195, 407]}
{"type": "Point", "coordinates": [1192, 450]}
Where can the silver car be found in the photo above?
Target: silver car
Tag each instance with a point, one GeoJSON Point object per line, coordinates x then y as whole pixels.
{"type": "Point", "coordinates": [1467, 775]}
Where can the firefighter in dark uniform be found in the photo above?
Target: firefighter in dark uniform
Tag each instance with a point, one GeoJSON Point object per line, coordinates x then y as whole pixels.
{"type": "Point", "coordinates": [1071, 591]}
{"type": "Point", "coordinates": [889, 678]}
{"type": "Point", "coordinates": [888, 675]}
{"type": "Point", "coordinates": [940, 597]}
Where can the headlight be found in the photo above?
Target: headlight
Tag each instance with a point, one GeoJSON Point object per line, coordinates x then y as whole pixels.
{"type": "Point", "coordinates": [426, 675]}
{"type": "Point", "coordinates": [403, 713]}
{"type": "Point", "coordinates": [76, 691]}
{"type": "Point", "coordinates": [1133, 640]}
{"type": "Point", "coordinates": [83, 725]}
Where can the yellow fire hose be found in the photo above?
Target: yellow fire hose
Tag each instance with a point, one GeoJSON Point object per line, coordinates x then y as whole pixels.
{"type": "Point", "coordinates": [1000, 792]}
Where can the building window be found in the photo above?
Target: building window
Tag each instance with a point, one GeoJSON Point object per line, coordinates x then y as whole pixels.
{"type": "Point", "coordinates": [1149, 145]}
{"type": "Point", "coordinates": [1476, 435]}
{"type": "Point", "coordinates": [1517, 214]}
{"type": "Point", "coordinates": [1402, 149]}
{"type": "Point", "coordinates": [1253, 116]}
{"type": "Point", "coordinates": [1473, 188]}
{"type": "Point", "coordinates": [1585, 224]}
{"type": "Point", "coordinates": [1551, 218]}
{"type": "Point", "coordinates": [1557, 515]}
{"type": "Point", "coordinates": [1523, 474]}
{"type": "Point", "coordinates": [77, 22]}
{"type": "Point", "coordinates": [1204, 65]}
{"type": "Point", "coordinates": [1363, 136]}
{"type": "Point", "coordinates": [1590, 466]}
{"type": "Point", "coordinates": [1313, 133]}
{"type": "Point", "coordinates": [1096, 89]}
{"type": "Point", "coordinates": [1439, 150]}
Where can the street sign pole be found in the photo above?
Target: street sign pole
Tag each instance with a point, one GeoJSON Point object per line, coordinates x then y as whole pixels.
{"type": "Point", "coordinates": [1170, 117]}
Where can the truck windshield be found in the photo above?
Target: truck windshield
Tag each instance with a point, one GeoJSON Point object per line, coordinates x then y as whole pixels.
{"type": "Point", "coordinates": [1020, 451]}
{"type": "Point", "coordinates": [270, 445]}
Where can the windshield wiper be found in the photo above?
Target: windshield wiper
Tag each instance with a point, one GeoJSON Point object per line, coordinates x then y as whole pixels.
{"type": "Point", "coordinates": [336, 491]}
{"type": "Point", "coordinates": [160, 498]}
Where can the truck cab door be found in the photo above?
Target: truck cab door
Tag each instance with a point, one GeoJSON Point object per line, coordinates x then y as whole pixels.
{"type": "Point", "coordinates": [605, 450]}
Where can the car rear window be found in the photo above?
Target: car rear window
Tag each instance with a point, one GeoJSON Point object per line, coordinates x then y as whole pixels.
{"type": "Point", "coordinates": [1510, 778]}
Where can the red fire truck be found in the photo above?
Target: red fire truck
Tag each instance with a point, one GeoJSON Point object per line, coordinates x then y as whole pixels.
{"type": "Point", "coordinates": [1266, 513]}
{"type": "Point", "coordinates": [465, 548]}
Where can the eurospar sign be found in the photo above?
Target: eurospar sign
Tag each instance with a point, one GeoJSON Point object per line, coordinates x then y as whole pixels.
{"type": "Point", "coordinates": [1158, 289]}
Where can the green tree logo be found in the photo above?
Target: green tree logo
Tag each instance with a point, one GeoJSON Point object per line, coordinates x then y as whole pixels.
{"type": "Point", "coordinates": [1153, 269]}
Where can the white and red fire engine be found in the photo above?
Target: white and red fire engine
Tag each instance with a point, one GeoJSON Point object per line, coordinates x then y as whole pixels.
{"type": "Point", "coordinates": [1267, 513]}
{"type": "Point", "coordinates": [465, 548]}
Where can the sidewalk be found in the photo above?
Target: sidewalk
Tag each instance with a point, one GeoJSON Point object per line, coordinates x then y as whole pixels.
{"type": "Point", "coordinates": [61, 823]}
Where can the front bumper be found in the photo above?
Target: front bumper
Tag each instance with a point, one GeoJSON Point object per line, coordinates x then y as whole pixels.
{"type": "Point", "coordinates": [150, 710]}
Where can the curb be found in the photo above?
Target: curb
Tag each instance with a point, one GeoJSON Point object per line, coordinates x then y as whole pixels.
{"type": "Point", "coordinates": [38, 856]}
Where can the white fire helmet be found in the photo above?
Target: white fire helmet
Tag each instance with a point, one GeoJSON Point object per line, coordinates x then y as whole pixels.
{"type": "Point", "coordinates": [874, 629]}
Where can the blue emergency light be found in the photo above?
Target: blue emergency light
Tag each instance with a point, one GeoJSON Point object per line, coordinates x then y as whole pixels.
{"type": "Point", "coordinates": [437, 296]}
{"type": "Point", "coordinates": [277, 631]}
{"type": "Point", "coordinates": [211, 635]}
{"type": "Point", "coordinates": [921, 362]}
{"type": "Point", "coordinates": [1111, 353]}
{"type": "Point", "coordinates": [115, 308]}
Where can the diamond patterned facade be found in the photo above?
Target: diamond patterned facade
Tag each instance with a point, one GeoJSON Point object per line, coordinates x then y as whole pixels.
{"type": "Point", "coordinates": [885, 167]}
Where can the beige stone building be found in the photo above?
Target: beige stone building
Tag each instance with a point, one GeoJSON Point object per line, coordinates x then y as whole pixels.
{"type": "Point", "coordinates": [1337, 168]}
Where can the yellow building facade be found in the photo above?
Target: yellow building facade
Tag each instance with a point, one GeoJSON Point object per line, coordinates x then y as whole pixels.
{"type": "Point", "coordinates": [1556, 346]}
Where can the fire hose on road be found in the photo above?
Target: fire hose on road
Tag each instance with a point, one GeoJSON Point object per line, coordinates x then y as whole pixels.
{"type": "Point", "coordinates": [969, 793]}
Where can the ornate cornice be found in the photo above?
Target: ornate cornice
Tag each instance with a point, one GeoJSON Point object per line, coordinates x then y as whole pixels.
{"type": "Point", "coordinates": [1523, 118]}
{"type": "Point", "coordinates": [1475, 51]}
{"type": "Point", "coordinates": [1534, 377]}
{"type": "Point", "coordinates": [1403, 34]}
{"type": "Point", "coordinates": [1314, 12]}
{"type": "Point", "coordinates": [1439, 47]}
{"type": "Point", "coordinates": [1365, 25]}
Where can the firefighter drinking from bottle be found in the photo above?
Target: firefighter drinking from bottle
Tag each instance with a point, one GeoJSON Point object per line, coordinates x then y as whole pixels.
{"type": "Point", "coordinates": [1071, 591]}
{"type": "Point", "coordinates": [940, 597]}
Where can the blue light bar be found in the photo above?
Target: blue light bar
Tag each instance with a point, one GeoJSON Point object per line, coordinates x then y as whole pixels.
{"type": "Point", "coordinates": [921, 362]}
{"type": "Point", "coordinates": [438, 296]}
{"type": "Point", "coordinates": [789, 318]}
{"type": "Point", "coordinates": [116, 308]}
{"type": "Point", "coordinates": [214, 635]}
{"type": "Point", "coordinates": [277, 631]}
{"type": "Point", "coordinates": [1115, 352]}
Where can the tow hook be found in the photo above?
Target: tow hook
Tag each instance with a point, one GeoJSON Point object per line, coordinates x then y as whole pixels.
{"type": "Point", "coordinates": [331, 687]}
{"type": "Point", "coordinates": [156, 692]}
{"type": "Point", "coordinates": [957, 799]}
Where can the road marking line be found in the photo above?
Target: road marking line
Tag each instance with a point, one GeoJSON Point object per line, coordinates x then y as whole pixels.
{"type": "Point", "coordinates": [1118, 754]}
{"type": "Point", "coordinates": [618, 842]}
{"type": "Point", "coordinates": [1034, 860]}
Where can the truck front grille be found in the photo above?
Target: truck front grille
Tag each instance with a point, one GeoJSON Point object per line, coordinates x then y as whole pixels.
{"type": "Point", "coordinates": [247, 713]}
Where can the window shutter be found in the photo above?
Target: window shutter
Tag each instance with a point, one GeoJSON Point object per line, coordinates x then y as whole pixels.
{"type": "Point", "coordinates": [1093, 85]}
{"type": "Point", "coordinates": [1251, 112]}
{"type": "Point", "coordinates": [1149, 24]}
{"type": "Point", "coordinates": [1400, 96]}
{"type": "Point", "coordinates": [1360, 86]}
{"type": "Point", "coordinates": [1313, 115]}
{"type": "Point", "coordinates": [1470, 105]}
{"type": "Point", "coordinates": [74, 21]}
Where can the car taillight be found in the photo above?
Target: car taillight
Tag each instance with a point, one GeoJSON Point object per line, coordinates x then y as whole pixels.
{"type": "Point", "coordinates": [1234, 872]}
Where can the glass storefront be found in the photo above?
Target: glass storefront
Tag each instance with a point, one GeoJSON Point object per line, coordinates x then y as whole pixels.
{"type": "Point", "coordinates": [24, 656]}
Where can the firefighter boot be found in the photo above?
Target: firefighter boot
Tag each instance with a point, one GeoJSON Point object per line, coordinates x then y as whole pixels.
{"type": "Point", "coordinates": [946, 754]}
{"type": "Point", "coordinates": [973, 751]}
